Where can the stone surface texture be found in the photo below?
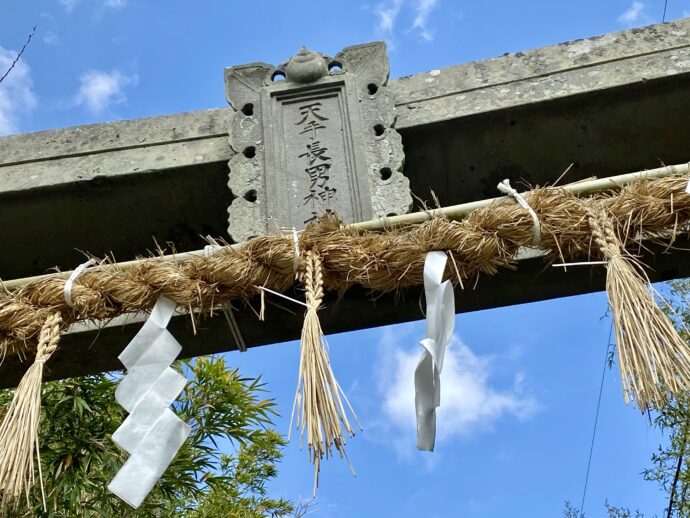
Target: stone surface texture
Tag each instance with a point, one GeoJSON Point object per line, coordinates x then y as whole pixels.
{"type": "Point", "coordinates": [156, 144]}
{"type": "Point", "coordinates": [313, 135]}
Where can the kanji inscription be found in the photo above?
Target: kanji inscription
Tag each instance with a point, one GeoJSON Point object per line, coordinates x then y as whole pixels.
{"type": "Point", "coordinates": [313, 136]}
{"type": "Point", "coordinates": [318, 164]}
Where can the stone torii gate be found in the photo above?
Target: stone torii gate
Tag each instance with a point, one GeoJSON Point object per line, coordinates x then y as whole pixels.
{"type": "Point", "coordinates": [608, 105]}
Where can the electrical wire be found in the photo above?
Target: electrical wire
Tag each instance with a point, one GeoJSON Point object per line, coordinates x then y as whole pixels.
{"type": "Point", "coordinates": [596, 419]}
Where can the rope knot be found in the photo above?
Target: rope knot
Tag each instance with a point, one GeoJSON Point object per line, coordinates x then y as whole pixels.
{"type": "Point", "coordinates": [506, 188]}
{"type": "Point", "coordinates": [603, 232]}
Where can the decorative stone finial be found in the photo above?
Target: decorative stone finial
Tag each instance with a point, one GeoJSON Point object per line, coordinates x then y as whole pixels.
{"type": "Point", "coordinates": [306, 67]}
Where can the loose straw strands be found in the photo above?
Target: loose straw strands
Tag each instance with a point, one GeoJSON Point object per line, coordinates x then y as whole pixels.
{"type": "Point", "coordinates": [652, 357]}
{"type": "Point", "coordinates": [19, 428]}
{"type": "Point", "coordinates": [320, 411]}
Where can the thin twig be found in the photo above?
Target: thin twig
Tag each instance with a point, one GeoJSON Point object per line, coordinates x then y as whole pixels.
{"type": "Point", "coordinates": [567, 170]}
{"type": "Point", "coordinates": [33, 31]}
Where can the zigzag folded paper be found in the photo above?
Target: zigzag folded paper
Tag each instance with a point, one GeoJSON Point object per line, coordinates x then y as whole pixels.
{"type": "Point", "coordinates": [152, 433]}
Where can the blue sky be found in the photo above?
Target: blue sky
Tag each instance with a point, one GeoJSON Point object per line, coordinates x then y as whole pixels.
{"type": "Point", "coordinates": [520, 384]}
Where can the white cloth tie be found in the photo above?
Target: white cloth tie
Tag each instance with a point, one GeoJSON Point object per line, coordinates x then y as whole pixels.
{"type": "Point", "coordinates": [295, 243]}
{"type": "Point", "coordinates": [505, 188]}
{"type": "Point", "coordinates": [212, 247]}
{"type": "Point", "coordinates": [440, 323]}
{"type": "Point", "coordinates": [67, 290]}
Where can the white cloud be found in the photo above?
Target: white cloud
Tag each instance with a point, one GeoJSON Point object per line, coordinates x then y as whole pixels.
{"type": "Point", "coordinates": [50, 31]}
{"type": "Point", "coordinates": [100, 90]}
{"type": "Point", "coordinates": [634, 14]}
{"type": "Point", "coordinates": [51, 38]}
{"type": "Point", "coordinates": [469, 401]}
{"type": "Point", "coordinates": [69, 5]}
{"type": "Point", "coordinates": [16, 92]}
{"type": "Point", "coordinates": [386, 13]}
{"type": "Point", "coordinates": [423, 9]}
{"type": "Point", "coordinates": [389, 11]}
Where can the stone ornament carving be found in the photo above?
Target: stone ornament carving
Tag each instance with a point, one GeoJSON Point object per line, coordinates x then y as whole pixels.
{"type": "Point", "coordinates": [310, 136]}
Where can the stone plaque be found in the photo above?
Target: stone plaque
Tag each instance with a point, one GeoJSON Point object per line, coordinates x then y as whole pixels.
{"type": "Point", "coordinates": [312, 136]}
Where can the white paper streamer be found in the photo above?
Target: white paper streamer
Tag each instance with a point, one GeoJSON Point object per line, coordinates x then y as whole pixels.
{"type": "Point", "coordinates": [440, 322]}
{"type": "Point", "coordinates": [152, 433]}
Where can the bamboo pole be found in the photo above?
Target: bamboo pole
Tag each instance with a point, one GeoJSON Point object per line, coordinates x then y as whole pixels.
{"type": "Point", "coordinates": [577, 188]}
{"type": "Point", "coordinates": [452, 212]}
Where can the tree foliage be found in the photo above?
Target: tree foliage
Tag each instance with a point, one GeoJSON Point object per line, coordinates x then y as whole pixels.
{"type": "Point", "coordinates": [670, 468]}
{"type": "Point", "coordinates": [226, 413]}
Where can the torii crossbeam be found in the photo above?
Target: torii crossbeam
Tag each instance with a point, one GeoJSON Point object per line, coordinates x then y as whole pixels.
{"type": "Point", "coordinates": [609, 105]}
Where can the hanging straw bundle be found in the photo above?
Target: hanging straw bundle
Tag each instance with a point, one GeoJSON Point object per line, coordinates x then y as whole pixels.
{"type": "Point", "coordinates": [653, 359]}
{"type": "Point", "coordinates": [19, 428]}
{"type": "Point", "coordinates": [319, 408]}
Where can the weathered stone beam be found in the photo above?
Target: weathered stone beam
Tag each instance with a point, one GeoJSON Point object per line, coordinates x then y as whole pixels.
{"type": "Point", "coordinates": [83, 153]}
{"type": "Point", "coordinates": [544, 75]}
{"type": "Point", "coordinates": [602, 63]}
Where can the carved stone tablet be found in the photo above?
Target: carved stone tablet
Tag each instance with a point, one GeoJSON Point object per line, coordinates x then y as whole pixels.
{"type": "Point", "coordinates": [311, 136]}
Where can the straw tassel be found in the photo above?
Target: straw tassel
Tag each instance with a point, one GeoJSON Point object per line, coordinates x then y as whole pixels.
{"type": "Point", "coordinates": [319, 408]}
{"type": "Point", "coordinates": [19, 428]}
{"type": "Point", "coordinates": [653, 359]}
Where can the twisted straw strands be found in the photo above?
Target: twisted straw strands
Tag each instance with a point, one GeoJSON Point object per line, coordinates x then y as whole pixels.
{"type": "Point", "coordinates": [317, 400]}
{"type": "Point", "coordinates": [651, 355]}
{"type": "Point", "coordinates": [387, 261]}
{"type": "Point", "coordinates": [19, 428]}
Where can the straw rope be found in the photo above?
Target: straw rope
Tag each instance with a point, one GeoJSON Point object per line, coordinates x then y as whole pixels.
{"type": "Point", "coordinates": [319, 408]}
{"type": "Point", "coordinates": [19, 428]}
{"type": "Point", "coordinates": [484, 242]}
